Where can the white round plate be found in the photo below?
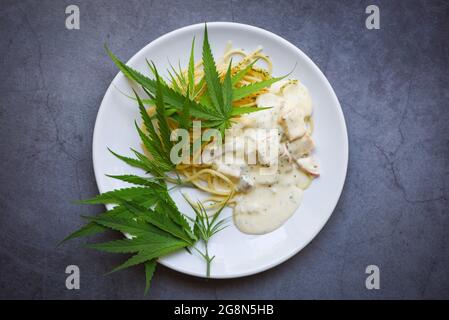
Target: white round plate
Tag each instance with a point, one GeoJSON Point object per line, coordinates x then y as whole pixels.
{"type": "Point", "coordinates": [236, 254]}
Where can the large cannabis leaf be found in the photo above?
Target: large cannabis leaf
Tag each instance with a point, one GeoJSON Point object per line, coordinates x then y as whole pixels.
{"type": "Point", "coordinates": [146, 213]}
{"type": "Point", "coordinates": [215, 107]}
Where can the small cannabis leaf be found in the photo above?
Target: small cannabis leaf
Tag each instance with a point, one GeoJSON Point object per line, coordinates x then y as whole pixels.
{"type": "Point", "coordinates": [205, 226]}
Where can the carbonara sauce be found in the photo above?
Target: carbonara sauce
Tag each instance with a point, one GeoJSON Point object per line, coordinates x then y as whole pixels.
{"type": "Point", "coordinates": [270, 190]}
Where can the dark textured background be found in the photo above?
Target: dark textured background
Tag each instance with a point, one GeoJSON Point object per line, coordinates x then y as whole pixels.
{"type": "Point", "coordinates": [393, 87]}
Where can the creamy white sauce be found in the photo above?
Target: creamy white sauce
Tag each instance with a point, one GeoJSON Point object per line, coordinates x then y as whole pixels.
{"type": "Point", "coordinates": [272, 201]}
{"type": "Point", "coordinates": [271, 189]}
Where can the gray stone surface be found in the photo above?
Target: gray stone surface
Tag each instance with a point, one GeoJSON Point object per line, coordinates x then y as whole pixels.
{"type": "Point", "coordinates": [393, 87]}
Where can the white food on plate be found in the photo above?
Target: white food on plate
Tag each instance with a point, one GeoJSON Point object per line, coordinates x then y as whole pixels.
{"type": "Point", "coordinates": [270, 188]}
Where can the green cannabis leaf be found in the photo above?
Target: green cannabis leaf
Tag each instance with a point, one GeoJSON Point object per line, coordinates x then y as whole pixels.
{"type": "Point", "coordinates": [205, 226]}
{"type": "Point", "coordinates": [171, 96]}
{"type": "Point", "coordinates": [150, 267]}
{"type": "Point", "coordinates": [154, 225]}
{"type": "Point", "coordinates": [244, 91]}
{"type": "Point", "coordinates": [146, 213]}
{"type": "Point", "coordinates": [214, 107]}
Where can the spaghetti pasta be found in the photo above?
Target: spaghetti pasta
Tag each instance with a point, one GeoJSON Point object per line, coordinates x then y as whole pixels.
{"type": "Point", "coordinates": [221, 188]}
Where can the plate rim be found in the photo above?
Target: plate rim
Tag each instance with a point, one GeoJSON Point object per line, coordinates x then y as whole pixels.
{"type": "Point", "coordinates": [334, 97]}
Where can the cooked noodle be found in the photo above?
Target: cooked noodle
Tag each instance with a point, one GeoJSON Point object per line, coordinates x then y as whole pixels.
{"type": "Point", "coordinates": [221, 187]}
